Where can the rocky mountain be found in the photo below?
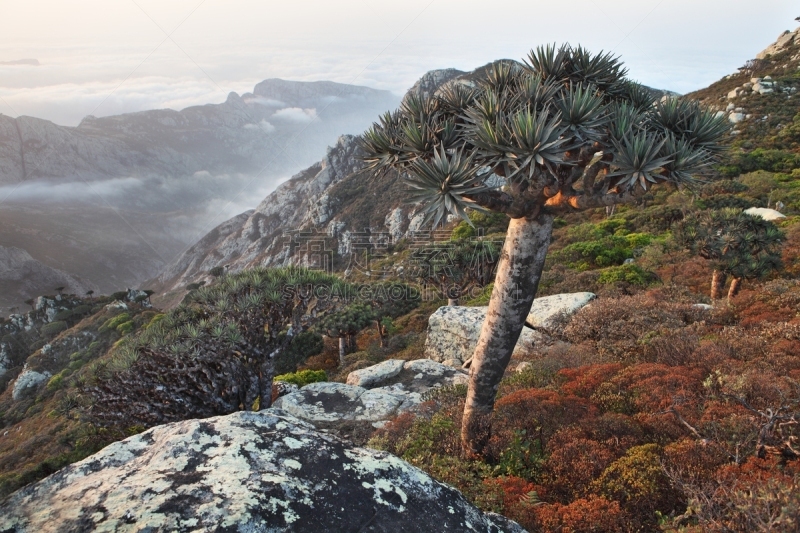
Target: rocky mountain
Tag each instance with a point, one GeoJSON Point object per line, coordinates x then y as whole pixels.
{"type": "Point", "coordinates": [332, 201]}
{"type": "Point", "coordinates": [278, 123]}
{"type": "Point", "coordinates": [116, 198]}
{"type": "Point", "coordinates": [21, 276]}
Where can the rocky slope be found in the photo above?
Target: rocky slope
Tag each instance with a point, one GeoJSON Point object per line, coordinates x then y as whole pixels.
{"type": "Point", "coordinates": [264, 471]}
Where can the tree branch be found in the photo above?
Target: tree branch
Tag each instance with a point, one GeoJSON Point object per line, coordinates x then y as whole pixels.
{"type": "Point", "coordinates": [584, 200]}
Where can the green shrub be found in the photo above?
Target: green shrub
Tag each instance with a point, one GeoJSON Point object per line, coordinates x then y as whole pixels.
{"type": "Point", "coordinates": [119, 295]}
{"type": "Point", "coordinates": [56, 382]}
{"type": "Point", "coordinates": [115, 321]}
{"type": "Point", "coordinates": [484, 223]}
{"type": "Point", "coordinates": [64, 315]}
{"type": "Point", "coordinates": [761, 159]}
{"type": "Point", "coordinates": [125, 328]}
{"type": "Point", "coordinates": [53, 328]}
{"type": "Point", "coordinates": [629, 273]}
{"type": "Point", "coordinates": [82, 310]}
{"type": "Point", "coordinates": [303, 377]}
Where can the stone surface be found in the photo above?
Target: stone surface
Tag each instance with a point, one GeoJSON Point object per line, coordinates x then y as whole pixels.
{"type": "Point", "coordinates": [780, 44]}
{"type": "Point", "coordinates": [704, 307]}
{"type": "Point", "coordinates": [765, 213]}
{"type": "Point", "coordinates": [28, 382]}
{"type": "Point", "coordinates": [329, 402]}
{"type": "Point", "coordinates": [244, 472]}
{"type": "Point", "coordinates": [735, 118]}
{"type": "Point", "coordinates": [376, 373]}
{"type": "Point", "coordinates": [453, 331]}
{"type": "Point", "coordinates": [396, 386]}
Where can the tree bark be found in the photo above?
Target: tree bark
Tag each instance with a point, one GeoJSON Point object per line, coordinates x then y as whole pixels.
{"type": "Point", "coordinates": [265, 375]}
{"type": "Point", "coordinates": [515, 286]}
{"type": "Point", "coordinates": [353, 346]}
{"type": "Point", "coordinates": [342, 350]}
{"type": "Point", "coordinates": [733, 290]}
{"type": "Point", "coordinates": [718, 280]}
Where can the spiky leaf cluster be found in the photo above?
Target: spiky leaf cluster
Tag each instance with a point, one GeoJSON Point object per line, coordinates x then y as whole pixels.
{"type": "Point", "coordinates": [539, 125]}
{"type": "Point", "coordinates": [738, 244]}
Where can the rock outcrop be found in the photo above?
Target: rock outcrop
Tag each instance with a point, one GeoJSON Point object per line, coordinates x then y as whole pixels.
{"type": "Point", "coordinates": [783, 42]}
{"type": "Point", "coordinates": [453, 331]}
{"type": "Point", "coordinates": [265, 471]}
{"type": "Point", "coordinates": [765, 213]}
{"type": "Point", "coordinates": [371, 395]}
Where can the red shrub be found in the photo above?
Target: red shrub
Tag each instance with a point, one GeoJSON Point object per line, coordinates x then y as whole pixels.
{"type": "Point", "coordinates": [591, 515]}
{"type": "Point", "coordinates": [583, 381]}
{"type": "Point", "coordinates": [654, 387]}
{"type": "Point", "coordinates": [574, 464]}
{"type": "Point", "coordinates": [539, 412]}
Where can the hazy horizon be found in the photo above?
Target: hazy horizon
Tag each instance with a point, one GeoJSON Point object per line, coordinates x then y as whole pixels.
{"type": "Point", "coordinates": [102, 59]}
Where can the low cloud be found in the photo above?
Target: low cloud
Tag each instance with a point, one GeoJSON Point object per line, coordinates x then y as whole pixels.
{"type": "Point", "coordinates": [263, 125]}
{"type": "Point", "coordinates": [296, 114]}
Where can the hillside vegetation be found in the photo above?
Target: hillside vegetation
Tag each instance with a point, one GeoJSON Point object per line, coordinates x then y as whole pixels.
{"type": "Point", "coordinates": [645, 411]}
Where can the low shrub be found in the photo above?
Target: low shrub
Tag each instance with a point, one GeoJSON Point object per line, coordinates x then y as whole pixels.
{"type": "Point", "coordinates": [54, 328]}
{"type": "Point", "coordinates": [303, 377]}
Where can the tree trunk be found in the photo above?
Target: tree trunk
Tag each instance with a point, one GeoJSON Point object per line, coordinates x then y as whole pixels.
{"type": "Point", "coordinates": [453, 301]}
{"type": "Point", "coordinates": [342, 350]}
{"type": "Point", "coordinates": [353, 345]}
{"type": "Point", "coordinates": [265, 376]}
{"type": "Point", "coordinates": [733, 290]}
{"type": "Point", "coordinates": [382, 333]}
{"type": "Point", "coordinates": [718, 280]}
{"type": "Point", "coordinates": [515, 285]}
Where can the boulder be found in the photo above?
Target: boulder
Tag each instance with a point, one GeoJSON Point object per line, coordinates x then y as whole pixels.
{"type": "Point", "coordinates": [766, 214]}
{"type": "Point", "coordinates": [376, 373]}
{"type": "Point", "coordinates": [453, 331]}
{"type": "Point", "coordinates": [329, 402]}
{"type": "Point", "coordinates": [393, 386]}
{"type": "Point", "coordinates": [735, 118]}
{"type": "Point", "coordinates": [28, 382]}
{"type": "Point", "coordinates": [264, 471]}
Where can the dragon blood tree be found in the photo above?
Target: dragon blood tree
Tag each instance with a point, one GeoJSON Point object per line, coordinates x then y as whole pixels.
{"type": "Point", "coordinates": [738, 244]}
{"type": "Point", "coordinates": [563, 131]}
{"type": "Point", "coordinates": [213, 354]}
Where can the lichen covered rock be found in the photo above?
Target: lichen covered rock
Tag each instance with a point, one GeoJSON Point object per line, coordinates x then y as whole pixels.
{"type": "Point", "coordinates": [453, 331]}
{"type": "Point", "coordinates": [264, 471]}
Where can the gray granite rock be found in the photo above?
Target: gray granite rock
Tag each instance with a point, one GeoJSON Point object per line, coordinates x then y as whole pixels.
{"type": "Point", "coordinates": [394, 386]}
{"type": "Point", "coordinates": [376, 373]}
{"type": "Point", "coordinates": [244, 472]}
{"type": "Point", "coordinates": [453, 331]}
{"type": "Point", "coordinates": [28, 382]}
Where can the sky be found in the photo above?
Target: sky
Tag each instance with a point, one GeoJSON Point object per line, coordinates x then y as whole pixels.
{"type": "Point", "coordinates": [104, 57]}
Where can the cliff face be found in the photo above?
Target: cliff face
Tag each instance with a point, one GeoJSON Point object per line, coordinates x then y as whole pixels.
{"type": "Point", "coordinates": [332, 199]}
{"type": "Point", "coordinates": [261, 236]}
